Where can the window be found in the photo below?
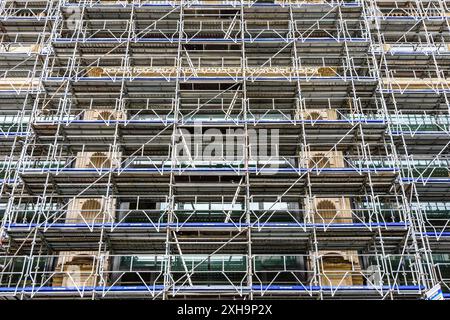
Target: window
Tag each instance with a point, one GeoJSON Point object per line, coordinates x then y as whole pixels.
{"type": "Point", "coordinates": [99, 160]}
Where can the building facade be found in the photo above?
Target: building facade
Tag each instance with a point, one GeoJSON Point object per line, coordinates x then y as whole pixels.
{"type": "Point", "coordinates": [224, 149]}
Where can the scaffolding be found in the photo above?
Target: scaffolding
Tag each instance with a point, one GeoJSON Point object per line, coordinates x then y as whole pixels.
{"type": "Point", "coordinates": [108, 109]}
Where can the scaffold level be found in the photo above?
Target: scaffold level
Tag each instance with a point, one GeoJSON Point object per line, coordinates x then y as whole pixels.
{"type": "Point", "coordinates": [224, 149]}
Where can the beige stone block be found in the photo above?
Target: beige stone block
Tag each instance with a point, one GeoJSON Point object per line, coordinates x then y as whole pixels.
{"type": "Point", "coordinates": [331, 210]}
{"type": "Point", "coordinates": [35, 48]}
{"type": "Point", "coordinates": [98, 160]}
{"type": "Point", "coordinates": [132, 72]}
{"type": "Point", "coordinates": [104, 114]}
{"type": "Point", "coordinates": [319, 114]}
{"type": "Point", "coordinates": [89, 211]}
{"type": "Point", "coordinates": [95, 72]}
{"type": "Point", "coordinates": [308, 71]}
{"type": "Point", "coordinates": [414, 83]}
{"type": "Point", "coordinates": [326, 71]}
{"type": "Point", "coordinates": [338, 268]}
{"type": "Point", "coordinates": [18, 83]}
{"type": "Point", "coordinates": [322, 159]}
{"type": "Point", "coordinates": [269, 71]}
{"type": "Point", "coordinates": [77, 269]}
{"type": "Point", "coordinates": [211, 71]}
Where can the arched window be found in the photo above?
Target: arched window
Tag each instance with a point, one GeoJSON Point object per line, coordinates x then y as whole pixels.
{"type": "Point", "coordinates": [81, 270]}
{"type": "Point", "coordinates": [319, 161]}
{"type": "Point", "coordinates": [24, 13]}
{"type": "Point", "coordinates": [99, 160]}
{"type": "Point", "coordinates": [90, 210]}
{"type": "Point", "coordinates": [326, 211]}
{"type": "Point", "coordinates": [313, 116]}
{"type": "Point", "coordinates": [95, 72]}
{"type": "Point", "coordinates": [336, 271]}
{"type": "Point", "coordinates": [105, 115]}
